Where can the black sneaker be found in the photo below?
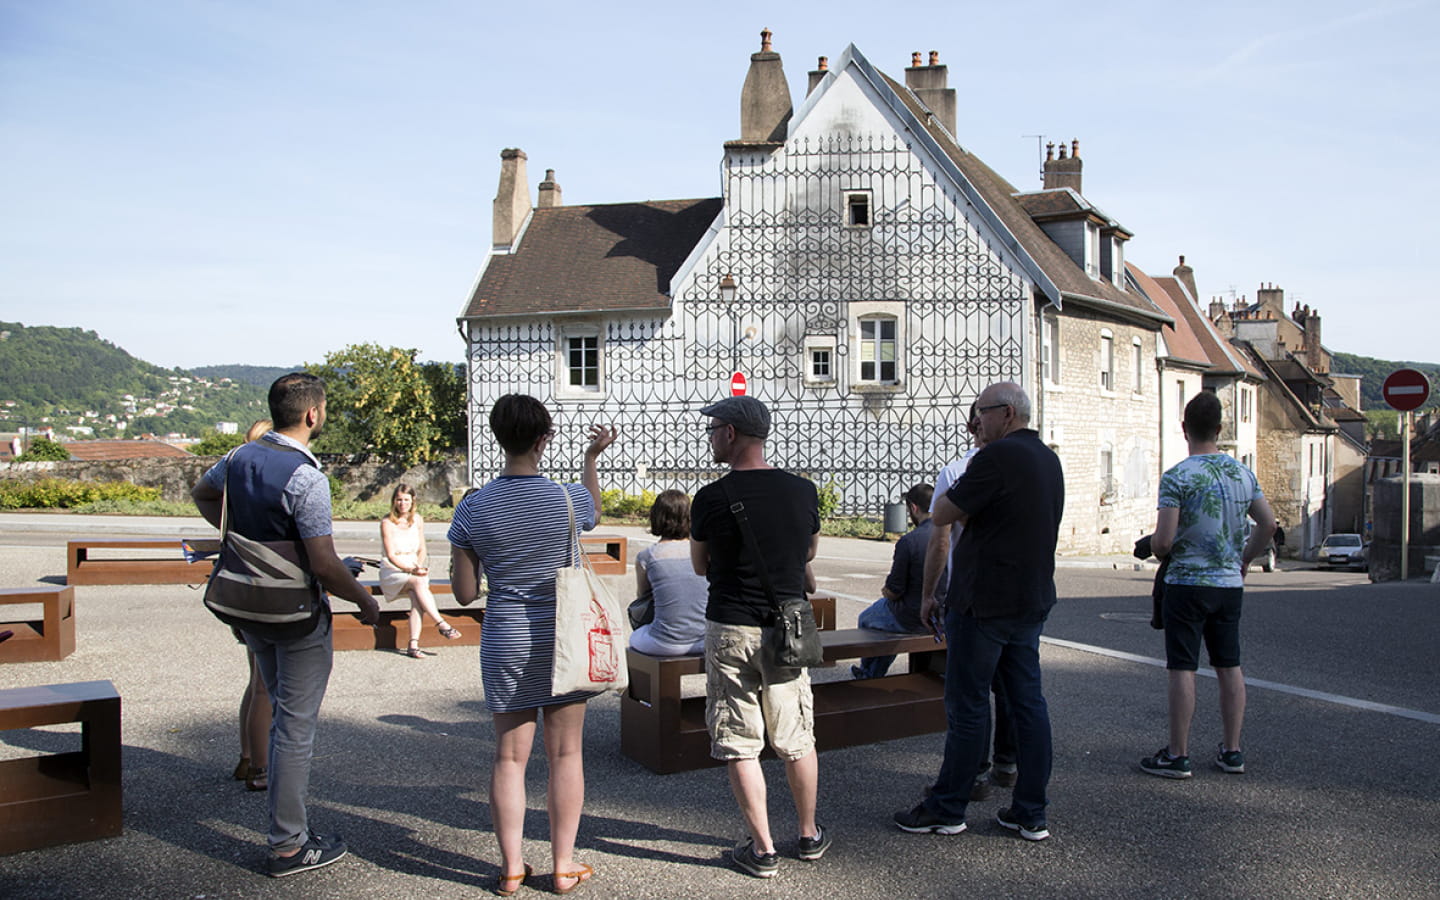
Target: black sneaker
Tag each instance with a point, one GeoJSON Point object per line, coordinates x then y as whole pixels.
{"type": "Point", "coordinates": [1008, 819]}
{"type": "Point", "coordinates": [761, 865]}
{"type": "Point", "coordinates": [812, 848]}
{"type": "Point", "coordinates": [319, 851]}
{"type": "Point", "coordinates": [1232, 761]}
{"type": "Point", "coordinates": [922, 821]}
{"type": "Point", "coordinates": [1004, 775]}
{"type": "Point", "coordinates": [1165, 765]}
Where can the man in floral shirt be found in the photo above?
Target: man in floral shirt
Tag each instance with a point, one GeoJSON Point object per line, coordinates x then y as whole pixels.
{"type": "Point", "coordinates": [1204, 501]}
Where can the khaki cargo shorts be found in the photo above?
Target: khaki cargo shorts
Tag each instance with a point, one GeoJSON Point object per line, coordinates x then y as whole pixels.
{"type": "Point", "coordinates": [746, 696]}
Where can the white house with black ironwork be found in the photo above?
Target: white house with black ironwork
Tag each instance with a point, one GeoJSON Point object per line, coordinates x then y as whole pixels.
{"type": "Point", "coordinates": [861, 273]}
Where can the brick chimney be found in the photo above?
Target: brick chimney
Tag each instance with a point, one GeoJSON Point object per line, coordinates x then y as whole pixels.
{"type": "Point", "coordinates": [1186, 276]}
{"type": "Point", "coordinates": [512, 200]}
{"type": "Point", "coordinates": [765, 107]}
{"type": "Point", "coordinates": [549, 191]}
{"type": "Point", "coordinates": [930, 84]}
{"type": "Point", "coordinates": [818, 75]}
{"type": "Point", "coordinates": [1063, 172]}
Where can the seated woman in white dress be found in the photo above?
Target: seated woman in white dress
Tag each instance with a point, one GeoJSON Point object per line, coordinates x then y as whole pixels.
{"type": "Point", "coordinates": [404, 571]}
{"type": "Point", "coordinates": [664, 569]}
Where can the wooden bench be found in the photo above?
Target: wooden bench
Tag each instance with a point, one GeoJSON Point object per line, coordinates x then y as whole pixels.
{"type": "Point", "coordinates": [665, 731]}
{"type": "Point", "coordinates": [61, 798]}
{"type": "Point", "coordinates": [119, 561]}
{"type": "Point", "coordinates": [52, 637]}
{"type": "Point", "coordinates": [393, 631]}
{"type": "Point", "coordinates": [607, 552]}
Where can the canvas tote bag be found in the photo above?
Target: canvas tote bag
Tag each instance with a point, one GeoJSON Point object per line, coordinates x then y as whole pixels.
{"type": "Point", "coordinates": [591, 626]}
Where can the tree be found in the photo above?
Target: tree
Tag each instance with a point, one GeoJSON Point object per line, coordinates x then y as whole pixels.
{"type": "Point", "coordinates": [213, 443]}
{"type": "Point", "coordinates": [378, 400]}
{"type": "Point", "coordinates": [447, 391]}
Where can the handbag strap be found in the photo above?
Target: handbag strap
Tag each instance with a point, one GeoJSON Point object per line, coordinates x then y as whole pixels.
{"type": "Point", "coordinates": [738, 510]}
{"type": "Point", "coordinates": [575, 555]}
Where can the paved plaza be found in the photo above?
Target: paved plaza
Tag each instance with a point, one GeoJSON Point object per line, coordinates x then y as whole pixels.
{"type": "Point", "coordinates": [1341, 798]}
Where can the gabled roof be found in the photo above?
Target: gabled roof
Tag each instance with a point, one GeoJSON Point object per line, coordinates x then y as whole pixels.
{"type": "Point", "coordinates": [1179, 336]}
{"type": "Point", "coordinates": [1225, 359]}
{"type": "Point", "coordinates": [578, 259]}
{"type": "Point", "coordinates": [1000, 196]}
{"type": "Point", "coordinates": [1065, 203]}
{"type": "Point", "coordinates": [113, 450]}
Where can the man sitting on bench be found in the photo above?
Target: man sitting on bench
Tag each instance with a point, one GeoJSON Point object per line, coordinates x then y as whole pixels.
{"type": "Point", "coordinates": [898, 609]}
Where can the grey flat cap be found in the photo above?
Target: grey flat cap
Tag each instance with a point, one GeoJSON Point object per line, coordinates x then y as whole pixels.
{"type": "Point", "coordinates": [748, 415]}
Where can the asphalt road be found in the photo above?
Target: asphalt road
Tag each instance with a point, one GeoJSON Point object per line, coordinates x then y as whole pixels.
{"type": "Point", "coordinates": [1339, 800]}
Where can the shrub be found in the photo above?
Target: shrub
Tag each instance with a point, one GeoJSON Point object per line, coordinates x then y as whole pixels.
{"type": "Point", "coordinates": [213, 443]}
{"type": "Point", "coordinates": [619, 505]}
{"type": "Point", "coordinates": [44, 450]}
{"type": "Point", "coordinates": [59, 493]}
{"type": "Point", "coordinates": [829, 498]}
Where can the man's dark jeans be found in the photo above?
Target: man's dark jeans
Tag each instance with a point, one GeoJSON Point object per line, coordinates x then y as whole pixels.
{"type": "Point", "coordinates": [980, 651]}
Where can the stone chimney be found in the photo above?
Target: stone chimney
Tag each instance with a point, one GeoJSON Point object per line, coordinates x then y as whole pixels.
{"type": "Point", "coordinates": [1314, 353]}
{"type": "Point", "coordinates": [1065, 171]}
{"type": "Point", "coordinates": [1272, 299]}
{"type": "Point", "coordinates": [930, 84]}
{"type": "Point", "coordinates": [512, 200]}
{"type": "Point", "coordinates": [821, 68]}
{"type": "Point", "coordinates": [549, 191]}
{"type": "Point", "coordinates": [1186, 276]}
{"type": "Point", "coordinates": [765, 107]}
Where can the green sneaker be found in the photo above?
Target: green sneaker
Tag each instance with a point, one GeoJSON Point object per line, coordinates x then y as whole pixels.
{"type": "Point", "coordinates": [1165, 765]}
{"type": "Point", "coordinates": [1232, 761]}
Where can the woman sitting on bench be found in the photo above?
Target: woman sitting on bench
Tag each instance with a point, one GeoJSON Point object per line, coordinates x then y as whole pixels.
{"type": "Point", "coordinates": [664, 571]}
{"type": "Point", "coordinates": [403, 570]}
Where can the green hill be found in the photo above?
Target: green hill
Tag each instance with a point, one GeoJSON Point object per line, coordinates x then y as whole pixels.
{"type": "Point", "coordinates": [259, 376]}
{"type": "Point", "coordinates": [1373, 373]}
{"type": "Point", "coordinates": [64, 377]}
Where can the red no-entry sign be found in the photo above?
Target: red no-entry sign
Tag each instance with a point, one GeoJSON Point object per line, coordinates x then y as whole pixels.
{"type": "Point", "coordinates": [737, 384]}
{"type": "Point", "coordinates": [1406, 389]}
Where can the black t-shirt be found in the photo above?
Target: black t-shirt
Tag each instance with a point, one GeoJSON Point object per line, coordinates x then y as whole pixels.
{"type": "Point", "coordinates": [1014, 493]}
{"type": "Point", "coordinates": [907, 576]}
{"type": "Point", "coordinates": [784, 512]}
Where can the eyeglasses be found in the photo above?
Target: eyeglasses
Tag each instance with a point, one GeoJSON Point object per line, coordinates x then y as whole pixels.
{"type": "Point", "coordinates": [981, 409]}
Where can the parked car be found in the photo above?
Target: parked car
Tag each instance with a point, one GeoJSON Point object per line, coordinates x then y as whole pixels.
{"type": "Point", "coordinates": [1344, 550]}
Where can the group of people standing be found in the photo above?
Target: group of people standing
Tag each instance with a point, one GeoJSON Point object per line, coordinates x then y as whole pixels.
{"type": "Point", "coordinates": [981, 563]}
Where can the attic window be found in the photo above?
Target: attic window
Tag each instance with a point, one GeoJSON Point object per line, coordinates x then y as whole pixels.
{"type": "Point", "coordinates": [857, 209]}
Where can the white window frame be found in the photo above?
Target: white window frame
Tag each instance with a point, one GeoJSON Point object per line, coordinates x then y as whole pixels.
{"type": "Point", "coordinates": [1050, 349]}
{"type": "Point", "coordinates": [1137, 356]}
{"type": "Point", "coordinates": [859, 199]}
{"type": "Point", "coordinates": [563, 369]}
{"type": "Point", "coordinates": [1117, 262]}
{"type": "Point", "coordinates": [884, 310]}
{"type": "Point", "coordinates": [1246, 403]}
{"type": "Point", "coordinates": [1092, 250]}
{"type": "Point", "coordinates": [1107, 473]}
{"type": "Point", "coordinates": [814, 344]}
{"type": "Point", "coordinates": [1107, 361]}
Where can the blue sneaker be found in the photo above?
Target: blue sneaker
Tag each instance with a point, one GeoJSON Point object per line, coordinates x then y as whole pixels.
{"type": "Point", "coordinates": [319, 851]}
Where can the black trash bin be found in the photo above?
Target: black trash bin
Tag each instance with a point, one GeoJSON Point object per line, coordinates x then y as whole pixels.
{"type": "Point", "coordinates": [896, 521]}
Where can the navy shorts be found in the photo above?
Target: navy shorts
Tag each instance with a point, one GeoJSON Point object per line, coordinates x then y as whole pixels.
{"type": "Point", "coordinates": [1192, 611]}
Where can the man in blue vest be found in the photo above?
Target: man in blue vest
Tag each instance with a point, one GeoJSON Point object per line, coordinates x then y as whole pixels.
{"type": "Point", "coordinates": [278, 501]}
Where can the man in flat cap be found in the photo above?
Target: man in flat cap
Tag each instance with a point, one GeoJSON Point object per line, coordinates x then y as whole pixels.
{"type": "Point", "coordinates": [746, 694]}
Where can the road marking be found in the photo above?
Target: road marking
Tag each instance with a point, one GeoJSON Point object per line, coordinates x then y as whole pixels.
{"type": "Point", "coordinates": [1368, 706]}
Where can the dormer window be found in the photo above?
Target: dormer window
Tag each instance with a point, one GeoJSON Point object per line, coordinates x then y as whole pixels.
{"type": "Point", "coordinates": [857, 209]}
{"type": "Point", "coordinates": [1092, 250]}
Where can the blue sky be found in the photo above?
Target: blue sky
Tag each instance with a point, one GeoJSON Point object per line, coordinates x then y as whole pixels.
{"type": "Point", "coordinates": [266, 182]}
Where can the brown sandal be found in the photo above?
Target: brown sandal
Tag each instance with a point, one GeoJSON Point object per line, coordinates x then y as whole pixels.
{"type": "Point", "coordinates": [581, 876]}
{"type": "Point", "coordinates": [414, 652]}
{"type": "Point", "coordinates": [509, 884]}
{"type": "Point", "coordinates": [448, 632]}
{"type": "Point", "coordinates": [257, 780]}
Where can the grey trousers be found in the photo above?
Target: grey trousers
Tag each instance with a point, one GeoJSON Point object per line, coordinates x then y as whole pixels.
{"type": "Point", "coordinates": [296, 674]}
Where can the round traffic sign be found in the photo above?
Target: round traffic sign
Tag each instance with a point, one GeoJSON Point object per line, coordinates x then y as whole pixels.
{"type": "Point", "coordinates": [1406, 389]}
{"type": "Point", "coordinates": [737, 384]}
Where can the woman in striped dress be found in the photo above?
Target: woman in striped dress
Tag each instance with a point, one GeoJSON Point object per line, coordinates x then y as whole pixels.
{"type": "Point", "coordinates": [516, 529]}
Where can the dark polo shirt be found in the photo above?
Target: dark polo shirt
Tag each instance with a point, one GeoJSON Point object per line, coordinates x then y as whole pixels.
{"type": "Point", "coordinates": [1014, 494]}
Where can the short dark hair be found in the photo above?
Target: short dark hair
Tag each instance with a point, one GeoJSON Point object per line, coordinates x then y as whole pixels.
{"type": "Point", "coordinates": [1202, 417]}
{"type": "Point", "coordinates": [292, 395]}
{"type": "Point", "coordinates": [670, 515]}
{"type": "Point", "coordinates": [920, 496]}
{"type": "Point", "coordinates": [518, 421]}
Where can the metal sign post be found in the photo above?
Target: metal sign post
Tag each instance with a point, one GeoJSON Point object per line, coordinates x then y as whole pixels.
{"type": "Point", "coordinates": [1405, 390]}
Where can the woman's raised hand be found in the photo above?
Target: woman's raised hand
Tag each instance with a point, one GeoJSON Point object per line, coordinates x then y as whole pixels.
{"type": "Point", "coordinates": [601, 437]}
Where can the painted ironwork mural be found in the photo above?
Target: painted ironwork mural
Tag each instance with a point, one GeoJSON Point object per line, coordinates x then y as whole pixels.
{"type": "Point", "coordinates": [871, 408]}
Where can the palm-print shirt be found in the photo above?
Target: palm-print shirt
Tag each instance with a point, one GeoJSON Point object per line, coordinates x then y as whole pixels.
{"type": "Point", "coordinates": [1213, 492]}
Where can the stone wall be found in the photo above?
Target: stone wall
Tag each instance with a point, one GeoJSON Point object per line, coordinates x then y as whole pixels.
{"type": "Point", "coordinates": [1424, 525]}
{"type": "Point", "coordinates": [365, 477]}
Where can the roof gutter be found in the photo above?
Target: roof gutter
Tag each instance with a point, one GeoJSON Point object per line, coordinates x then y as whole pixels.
{"type": "Point", "coordinates": [1119, 309]}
